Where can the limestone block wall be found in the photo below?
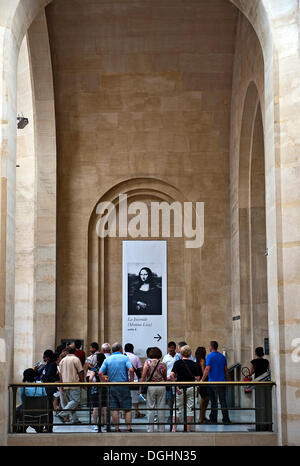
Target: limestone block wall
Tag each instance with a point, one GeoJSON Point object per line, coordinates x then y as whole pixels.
{"type": "Point", "coordinates": [143, 89]}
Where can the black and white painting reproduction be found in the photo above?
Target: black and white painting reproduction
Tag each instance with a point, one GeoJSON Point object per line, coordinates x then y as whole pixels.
{"type": "Point", "coordinates": [144, 289]}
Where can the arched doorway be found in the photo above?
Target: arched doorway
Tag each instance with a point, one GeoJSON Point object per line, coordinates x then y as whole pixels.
{"type": "Point", "coordinates": [252, 229]}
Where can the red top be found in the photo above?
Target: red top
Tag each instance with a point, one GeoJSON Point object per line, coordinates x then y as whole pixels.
{"type": "Point", "coordinates": [81, 355]}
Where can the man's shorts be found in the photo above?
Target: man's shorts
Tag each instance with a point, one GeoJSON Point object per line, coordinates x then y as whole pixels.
{"type": "Point", "coordinates": [120, 398]}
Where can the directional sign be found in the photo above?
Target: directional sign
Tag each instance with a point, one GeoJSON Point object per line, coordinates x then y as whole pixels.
{"type": "Point", "coordinates": [145, 295]}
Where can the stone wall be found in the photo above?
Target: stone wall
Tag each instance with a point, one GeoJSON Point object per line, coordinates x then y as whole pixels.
{"type": "Point", "coordinates": [143, 89]}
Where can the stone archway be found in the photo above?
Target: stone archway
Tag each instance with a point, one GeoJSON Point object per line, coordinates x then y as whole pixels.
{"type": "Point", "coordinates": [252, 229]}
{"type": "Point", "coordinates": [104, 314]}
{"type": "Point", "coordinates": [35, 260]}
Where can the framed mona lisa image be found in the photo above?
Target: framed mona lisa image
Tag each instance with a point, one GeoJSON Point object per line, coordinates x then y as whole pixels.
{"type": "Point", "coordinates": [144, 289]}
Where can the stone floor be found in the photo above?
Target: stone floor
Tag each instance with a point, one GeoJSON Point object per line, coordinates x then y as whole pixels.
{"type": "Point", "coordinates": [244, 417]}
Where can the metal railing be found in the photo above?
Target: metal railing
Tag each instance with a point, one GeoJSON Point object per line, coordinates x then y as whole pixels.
{"type": "Point", "coordinates": [233, 393]}
{"type": "Point", "coordinates": [182, 409]}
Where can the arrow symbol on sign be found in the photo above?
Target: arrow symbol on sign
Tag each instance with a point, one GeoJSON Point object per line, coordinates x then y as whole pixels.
{"type": "Point", "coordinates": [158, 337]}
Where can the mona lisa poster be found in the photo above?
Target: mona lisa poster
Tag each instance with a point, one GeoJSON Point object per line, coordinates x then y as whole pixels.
{"type": "Point", "coordinates": [145, 294]}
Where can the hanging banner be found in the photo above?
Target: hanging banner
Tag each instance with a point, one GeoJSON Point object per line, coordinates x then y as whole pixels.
{"type": "Point", "coordinates": [145, 295]}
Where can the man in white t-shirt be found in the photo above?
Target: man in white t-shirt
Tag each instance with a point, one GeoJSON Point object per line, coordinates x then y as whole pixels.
{"type": "Point", "coordinates": [170, 358]}
{"type": "Point", "coordinates": [137, 365]}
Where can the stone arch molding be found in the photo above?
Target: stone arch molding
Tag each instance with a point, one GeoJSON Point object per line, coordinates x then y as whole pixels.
{"type": "Point", "coordinates": [250, 107]}
{"type": "Point", "coordinates": [251, 118]}
{"type": "Point", "coordinates": [149, 188]}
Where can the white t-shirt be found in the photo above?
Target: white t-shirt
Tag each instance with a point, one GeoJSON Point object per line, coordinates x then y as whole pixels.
{"type": "Point", "coordinates": [169, 361]}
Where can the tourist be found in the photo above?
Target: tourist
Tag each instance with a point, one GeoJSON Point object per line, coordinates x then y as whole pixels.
{"type": "Point", "coordinates": [71, 370]}
{"type": "Point", "coordinates": [148, 352]}
{"type": "Point", "coordinates": [29, 376]}
{"type": "Point", "coordinates": [56, 395]}
{"type": "Point", "coordinates": [49, 375]}
{"type": "Point", "coordinates": [200, 355]}
{"type": "Point", "coordinates": [155, 371]}
{"type": "Point", "coordinates": [170, 357]}
{"type": "Point", "coordinates": [79, 352]}
{"type": "Point", "coordinates": [216, 370]}
{"type": "Point", "coordinates": [178, 354]}
{"type": "Point", "coordinates": [94, 377]}
{"type": "Point", "coordinates": [62, 393]}
{"type": "Point", "coordinates": [179, 346]}
{"type": "Point", "coordinates": [137, 366]}
{"type": "Point", "coordinates": [117, 367]}
{"type": "Point", "coordinates": [38, 369]}
{"type": "Point", "coordinates": [60, 348]}
{"type": "Point", "coordinates": [259, 365]}
{"type": "Point", "coordinates": [169, 360]}
{"type": "Point", "coordinates": [185, 370]}
{"type": "Point", "coordinates": [94, 350]}
{"type": "Point", "coordinates": [106, 349]}
{"type": "Point", "coordinates": [90, 363]}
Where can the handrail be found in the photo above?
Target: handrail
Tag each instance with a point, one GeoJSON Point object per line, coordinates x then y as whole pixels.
{"type": "Point", "coordinates": [21, 416]}
{"type": "Point", "coordinates": [89, 384]}
{"type": "Point", "coordinates": [234, 366]}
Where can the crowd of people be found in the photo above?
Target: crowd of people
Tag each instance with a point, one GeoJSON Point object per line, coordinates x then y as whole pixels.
{"type": "Point", "coordinates": [69, 364]}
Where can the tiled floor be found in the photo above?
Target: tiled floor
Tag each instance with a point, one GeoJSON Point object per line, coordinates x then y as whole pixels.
{"type": "Point", "coordinates": [245, 417]}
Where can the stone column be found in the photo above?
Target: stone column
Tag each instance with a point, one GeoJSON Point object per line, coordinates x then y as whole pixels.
{"type": "Point", "coordinates": [8, 126]}
{"type": "Point", "coordinates": [15, 18]}
{"type": "Point", "coordinates": [285, 21]}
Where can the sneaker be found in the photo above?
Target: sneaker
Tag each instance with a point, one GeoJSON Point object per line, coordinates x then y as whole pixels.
{"type": "Point", "coordinates": [95, 428]}
{"type": "Point", "coordinates": [62, 418]}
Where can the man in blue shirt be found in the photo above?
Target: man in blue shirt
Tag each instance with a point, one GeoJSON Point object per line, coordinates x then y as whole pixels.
{"type": "Point", "coordinates": [216, 370]}
{"type": "Point", "coordinates": [116, 367]}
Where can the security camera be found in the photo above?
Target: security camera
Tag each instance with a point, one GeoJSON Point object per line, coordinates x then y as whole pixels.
{"type": "Point", "coordinates": [22, 122]}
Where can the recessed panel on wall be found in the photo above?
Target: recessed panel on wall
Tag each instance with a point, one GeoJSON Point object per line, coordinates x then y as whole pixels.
{"type": "Point", "coordinates": [145, 295]}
